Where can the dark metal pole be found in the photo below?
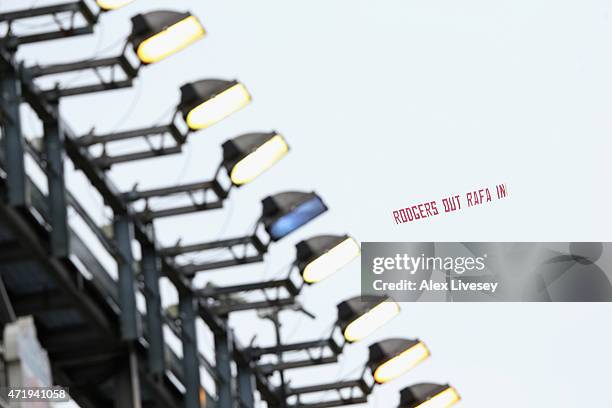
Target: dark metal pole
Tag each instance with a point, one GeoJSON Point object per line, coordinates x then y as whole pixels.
{"type": "Point", "coordinates": [151, 273]}
{"type": "Point", "coordinates": [191, 361]}
{"type": "Point", "coordinates": [246, 386]}
{"type": "Point", "coordinates": [12, 139]}
{"type": "Point", "coordinates": [54, 152]}
{"type": "Point", "coordinates": [223, 352]}
{"type": "Point", "coordinates": [127, 384]}
{"type": "Point", "coordinates": [283, 386]}
{"type": "Point", "coordinates": [130, 324]}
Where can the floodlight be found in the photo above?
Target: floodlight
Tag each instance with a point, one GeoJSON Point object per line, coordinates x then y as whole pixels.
{"type": "Point", "coordinates": [429, 396]}
{"type": "Point", "coordinates": [322, 256]}
{"type": "Point", "coordinates": [158, 34]}
{"type": "Point", "coordinates": [286, 212]}
{"type": "Point", "coordinates": [246, 157]}
{"type": "Point", "coordinates": [107, 5]}
{"type": "Point", "coordinates": [206, 102]}
{"type": "Point", "coordinates": [360, 316]}
{"type": "Point", "coordinates": [391, 358]}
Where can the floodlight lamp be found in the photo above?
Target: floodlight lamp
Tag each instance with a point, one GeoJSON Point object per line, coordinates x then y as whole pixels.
{"type": "Point", "coordinates": [248, 156]}
{"type": "Point", "coordinates": [206, 102]}
{"type": "Point", "coordinates": [392, 358]}
{"type": "Point", "coordinates": [159, 34]}
{"type": "Point", "coordinates": [429, 396]}
{"type": "Point", "coordinates": [361, 316]}
{"type": "Point", "coordinates": [321, 256]}
{"type": "Point", "coordinates": [108, 5]}
{"type": "Point", "coordinates": [286, 212]}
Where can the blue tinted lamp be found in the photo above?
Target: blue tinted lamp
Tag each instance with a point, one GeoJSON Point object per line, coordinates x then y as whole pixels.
{"type": "Point", "coordinates": [286, 212]}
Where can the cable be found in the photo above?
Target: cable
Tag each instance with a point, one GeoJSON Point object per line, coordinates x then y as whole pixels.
{"type": "Point", "coordinates": [128, 112]}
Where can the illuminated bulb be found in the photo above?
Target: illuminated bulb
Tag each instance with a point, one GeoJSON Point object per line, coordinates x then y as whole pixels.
{"type": "Point", "coordinates": [332, 261]}
{"type": "Point", "coordinates": [401, 363]}
{"type": "Point", "coordinates": [170, 40]}
{"type": "Point", "coordinates": [444, 399]}
{"type": "Point", "coordinates": [219, 107]}
{"type": "Point", "coordinates": [264, 157]}
{"type": "Point", "coordinates": [112, 4]}
{"type": "Point", "coordinates": [371, 321]}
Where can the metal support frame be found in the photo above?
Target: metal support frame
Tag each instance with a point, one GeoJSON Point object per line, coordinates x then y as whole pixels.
{"type": "Point", "coordinates": [54, 151]}
{"type": "Point", "coordinates": [190, 190]}
{"type": "Point", "coordinates": [106, 161]}
{"type": "Point", "coordinates": [357, 390]}
{"type": "Point", "coordinates": [130, 324]}
{"type": "Point", "coordinates": [12, 139]}
{"type": "Point", "coordinates": [84, 162]}
{"type": "Point", "coordinates": [223, 353]}
{"type": "Point", "coordinates": [246, 386]}
{"type": "Point", "coordinates": [235, 259]}
{"type": "Point", "coordinates": [56, 11]}
{"type": "Point", "coordinates": [319, 352]}
{"type": "Point", "coordinates": [191, 360]}
{"type": "Point", "coordinates": [225, 299]}
{"type": "Point", "coordinates": [127, 383]}
{"type": "Point", "coordinates": [151, 274]}
{"type": "Point", "coordinates": [120, 62]}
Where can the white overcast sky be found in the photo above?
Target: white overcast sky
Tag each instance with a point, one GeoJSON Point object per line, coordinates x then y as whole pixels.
{"type": "Point", "coordinates": [388, 103]}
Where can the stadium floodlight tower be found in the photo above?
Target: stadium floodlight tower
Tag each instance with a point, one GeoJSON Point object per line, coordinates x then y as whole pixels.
{"type": "Point", "coordinates": [245, 158]}
{"type": "Point", "coordinates": [388, 360]}
{"type": "Point", "coordinates": [282, 214]}
{"type": "Point", "coordinates": [155, 36]}
{"type": "Point", "coordinates": [203, 103]}
{"type": "Point", "coordinates": [429, 396]}
{"type": "Point", "coordinates": [316, 258]}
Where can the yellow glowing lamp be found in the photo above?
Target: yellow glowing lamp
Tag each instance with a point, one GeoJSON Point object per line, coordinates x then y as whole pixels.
{"type": "Point", "coordinates": [159, 34]}
{"type": "Point", "coordinates": [429, 396]}
{"type": "Point", "coordinates": [363, 315]}
{"type": "Point", "coordinates": [206, 102]}
{"type": "Point", "coordinates": [112, 4]}
{"type": "Point", "coordinates": [392, 358]}
{"type": "Point", "coordinates": [322, 256]}
{"type": "Point", "coordinates": [246, 157]}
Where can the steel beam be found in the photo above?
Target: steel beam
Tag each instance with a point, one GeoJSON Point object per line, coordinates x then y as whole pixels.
{"type": "Point", "coordinates": [12, 140]}
{"type": "Point", "coordinates": [246, 386]}
{"type": "Point", "coordinates": [151, 274]}
{"type": "Point", "coordinates": [223, 346]}
{"type": "Point", "coordinates": [127, 384]}
{"type": "Point", "coordinates": [54, 152]}
{"type": "Point", "coordinates": [93, 139]}
{"type": "Point", "coordinates": [130, 324]}
{"type": "Point", "coordinates": [191, 366]}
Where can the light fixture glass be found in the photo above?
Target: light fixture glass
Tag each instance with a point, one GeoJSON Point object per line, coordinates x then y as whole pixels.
{"type": "Point", "coordinates": [260, 160]}
{"type": "Point", "coordinates": [218, 107]}
{"type": "Point", "coordinates": [112, 4]}
{"type": "Point", "coordinates": [444, 399]}
{"type": "Point", "coordinates": [402, 363]}
{"type": "Point", "coordinates": [331, 261]}
{"type": "Point", "coordinates": [170, 40]}
{"type": "Point", "coordinates": [371, 321]}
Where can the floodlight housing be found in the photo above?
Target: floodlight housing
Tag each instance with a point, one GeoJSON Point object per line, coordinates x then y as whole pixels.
{"type": "Point", "coordinates": [429, 396]}
{"type": "Point", "coordinates": [248, 156]}
{"type": "Point", "coordinates": [391, 358]}
{"type": "Point", "coordinates": [159, 34]}
{"type": "Point", "coordinates": [108, 5]}
{"type": "Point", "coordinates": [206, 102]}
{"type": "Point", "coordinates": [360, 316]}
{"type": "Point", "coordinates": [284, 213]}
{"type": "Point", "coordinates": [321, 256]}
